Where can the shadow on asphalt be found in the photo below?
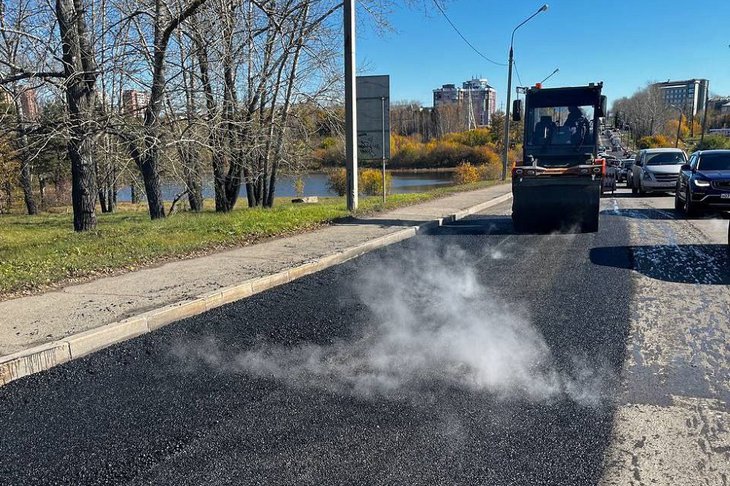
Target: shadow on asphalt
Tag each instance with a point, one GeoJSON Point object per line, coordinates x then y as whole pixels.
{"type": "Point", "coordinates": [690, 264]}
{"type": "Point", "coordinates": [495, 226]}
{"type": "Point", "coordinates": [475, 226]}
{"type": "Point", "coordinates": [353, 221]}
{"type": "Point", "coordinates": [662, 214]}
{"type": "Point", "coordinates": [629, 195]}
{"type": "Point", "coordinates": [643, 213]}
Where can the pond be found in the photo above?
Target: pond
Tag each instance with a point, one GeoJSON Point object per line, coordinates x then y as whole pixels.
{"type": "Point", "coordinates": [315, 184]}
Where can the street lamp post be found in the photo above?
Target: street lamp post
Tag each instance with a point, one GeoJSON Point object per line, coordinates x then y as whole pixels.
{"type": "Point", "coordinates": [505, 149]}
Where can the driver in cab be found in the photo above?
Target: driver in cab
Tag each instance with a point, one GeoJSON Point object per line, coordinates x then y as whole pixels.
{"type": "Point", "coordinates": [577, 124]}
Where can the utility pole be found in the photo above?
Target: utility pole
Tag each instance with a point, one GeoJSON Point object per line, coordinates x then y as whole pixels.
{"type": "Point", "coordinates": [382, 107]}
{"type": "Point", "coordinates": [505, 142]}
{"type": "Point", "coordinates": [350, 105]}
{"type": "Point", "coordinates": [704, 116]}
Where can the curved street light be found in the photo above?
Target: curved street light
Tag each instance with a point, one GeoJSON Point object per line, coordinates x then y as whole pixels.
{"type": "Point", "coordinates": [550, 75]}
{"type": "Point", "coordinates": [505, 149]}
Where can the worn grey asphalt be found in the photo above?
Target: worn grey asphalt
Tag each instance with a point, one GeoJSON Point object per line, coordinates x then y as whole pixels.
{"type": "Point", "coordinates": [222, 399]}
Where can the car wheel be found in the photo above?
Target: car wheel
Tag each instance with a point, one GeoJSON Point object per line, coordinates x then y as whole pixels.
{"type": "Point", "coordinates": [690, 208]}
{"type": "Point", "coordinates": [678, 204]}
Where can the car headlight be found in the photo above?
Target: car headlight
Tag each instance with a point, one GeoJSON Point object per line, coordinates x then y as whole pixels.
{"type": "Point", "coordinates": [701, 183]}
{"type": "Point", "coordinates": [647, 175]}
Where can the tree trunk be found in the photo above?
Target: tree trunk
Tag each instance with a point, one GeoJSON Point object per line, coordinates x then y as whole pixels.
{"type": "Point", "coordinates": [25, 173]}
{"type": "Point", "coordinates": [134, 193]}
{"type": "Point", "coordinates": [83, 183]}
{"type": "Point", "coordinates": [102, 201]}
{"type": "Point", "coordinates": [193, 180]}
{"type": "Point", "coordinates": [42, 189]}
{"type": "Point", "coordinates": [269, 200]}
{"type": "Point", "coordinates": [152, 186]}
{"type": "Point", "coordinates": [81, 71]}
{"type": "Point", "coordinates": [219, 159]}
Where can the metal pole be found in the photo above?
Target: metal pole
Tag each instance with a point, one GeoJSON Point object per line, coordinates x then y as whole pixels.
{"type": "Point", "coordinates": [704, 115]}
{"type": "Point", "coordinates": [382, 106]}
{"type": "Point", "coordinates": [505, 148]}
{"type": "Point", "coordinates": [350, 105]}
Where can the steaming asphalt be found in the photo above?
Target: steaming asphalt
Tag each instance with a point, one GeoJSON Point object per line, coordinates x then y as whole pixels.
{"type": "Point", "coordinates": [136, 413]}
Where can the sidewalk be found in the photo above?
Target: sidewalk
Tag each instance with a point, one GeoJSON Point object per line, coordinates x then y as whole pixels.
{"type": "Point", "coordinates": [54, 327]}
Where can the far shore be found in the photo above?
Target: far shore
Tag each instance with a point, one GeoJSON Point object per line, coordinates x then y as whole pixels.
{"type": "Point", "coordinates": [431, 170]}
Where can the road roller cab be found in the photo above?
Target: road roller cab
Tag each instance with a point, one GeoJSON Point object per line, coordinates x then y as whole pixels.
{"type": "Point", "coordinates": [558, 183]}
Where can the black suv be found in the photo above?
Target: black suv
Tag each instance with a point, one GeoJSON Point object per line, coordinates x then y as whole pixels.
{"type": "Point", "coordinates": [704, 182]}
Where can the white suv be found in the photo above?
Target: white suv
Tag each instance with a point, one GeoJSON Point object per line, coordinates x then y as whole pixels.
{"type": "Point", "coordinates": [656, 170]}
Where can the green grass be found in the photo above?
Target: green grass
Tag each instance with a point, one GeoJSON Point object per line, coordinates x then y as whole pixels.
{"type": "Point", "coordinates": [38, 251]}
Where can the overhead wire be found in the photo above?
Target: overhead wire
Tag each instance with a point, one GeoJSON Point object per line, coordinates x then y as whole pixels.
{"type": "Point", "coordinates": [435, 2]}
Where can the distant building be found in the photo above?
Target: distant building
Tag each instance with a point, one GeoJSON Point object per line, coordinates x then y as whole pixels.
{"type": "Point", "coordinates": [134, 102]}
{"type": "Point", "coordinates": [29, 105]}
{"type": "Point", "coordinates": [5, 97]}
{"type": "Point", "coordinates": [688, 95]}
{"type": "Point", "coordinates": [477, 99]}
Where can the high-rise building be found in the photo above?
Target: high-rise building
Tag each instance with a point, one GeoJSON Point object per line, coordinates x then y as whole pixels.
{"type": "Point", "coordinates": [477, 99]}
{"type": "Point", "coordinates": [134, 102]}
{"type": "Point", "coordinates": [688, 95]}
{"type": "Point", "coordinates": [5, 97]}
{"type": "Point", "coordinates": [29, 105]}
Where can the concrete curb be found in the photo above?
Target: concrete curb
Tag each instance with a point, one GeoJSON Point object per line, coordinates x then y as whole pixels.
{"type": "Point", "coordinates": [45, 356]}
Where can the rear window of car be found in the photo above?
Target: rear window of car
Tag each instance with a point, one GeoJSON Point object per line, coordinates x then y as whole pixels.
{"type": "Point", "coordinates": [665, 158]}
{"type": "Point", "coordinates": [715, 162]}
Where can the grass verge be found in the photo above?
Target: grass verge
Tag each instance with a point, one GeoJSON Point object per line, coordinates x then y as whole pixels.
{"type": "Point", "coordinates": [39, 251]}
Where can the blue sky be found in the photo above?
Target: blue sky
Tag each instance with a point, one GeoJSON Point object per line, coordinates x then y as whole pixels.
{"type": "Point", "coordinates": [621, 42]}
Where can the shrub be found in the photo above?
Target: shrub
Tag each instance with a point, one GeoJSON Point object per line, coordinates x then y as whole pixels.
{"type": "Point", "coordinates": [654, 141]}
{"type": "Point", "coordinates": [472, 138]}
{"type": "Point", "coordinates": [466, 173]}
{"type": "Point", "coordinates": [337, 181]}
{"type": "Point", "coordinates": [488, 172]}
{"type": "Point", "coordinates": [712, 142]}
{"type": "Point", "coordinates": [331, 153]}
{"type": "Point", "coordinates": [299, 186]}
{"type": "Point", "coordinates": [370, 182]}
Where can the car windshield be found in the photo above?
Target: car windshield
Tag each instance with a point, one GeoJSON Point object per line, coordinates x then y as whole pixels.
{"type": "Point", "coordinates": [560, 125]}
{"type": "Point", "coordinates": [666, 158]}
{"type": "Point", "coordinates": [715, 162]}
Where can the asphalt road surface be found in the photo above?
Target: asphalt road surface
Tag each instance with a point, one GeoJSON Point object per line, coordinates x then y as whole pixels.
{"type": "Point", "coordinates": [471, 355]}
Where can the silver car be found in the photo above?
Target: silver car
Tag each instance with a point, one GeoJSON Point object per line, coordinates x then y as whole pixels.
{"type": "Point", "coordinates": [656, 170]}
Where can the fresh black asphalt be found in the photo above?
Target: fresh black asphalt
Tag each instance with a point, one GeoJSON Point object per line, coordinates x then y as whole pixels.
{"type": "Point", "coordinates": [136, 413]}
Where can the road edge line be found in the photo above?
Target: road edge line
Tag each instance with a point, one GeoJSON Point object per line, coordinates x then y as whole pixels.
{"type": "Point", "coordinates": [45, 356]}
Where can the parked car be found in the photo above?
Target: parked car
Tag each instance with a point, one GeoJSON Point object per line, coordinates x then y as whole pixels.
{"type": "Point", "coordinates": [656, 169]}
{"type": "Point", "coordinates": [625, 169]}
{"type": "Point", "coordinates": [704, 182]}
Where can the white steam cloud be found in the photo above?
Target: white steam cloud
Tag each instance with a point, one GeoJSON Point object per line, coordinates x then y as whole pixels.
{"type": "Point", "coordinates": [432, 324]}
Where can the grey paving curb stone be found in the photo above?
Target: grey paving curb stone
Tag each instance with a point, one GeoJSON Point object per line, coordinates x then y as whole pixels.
{"type": "Point", "coordinates": [45, 356]}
